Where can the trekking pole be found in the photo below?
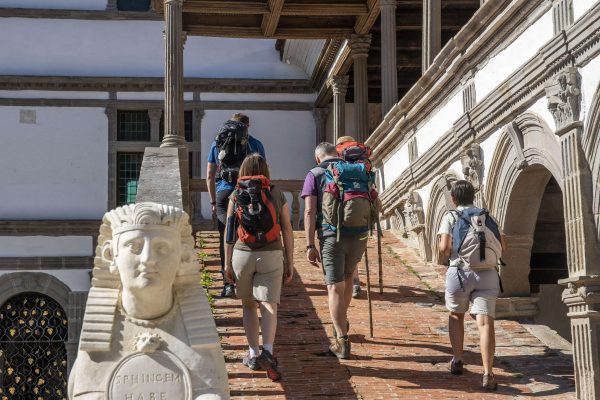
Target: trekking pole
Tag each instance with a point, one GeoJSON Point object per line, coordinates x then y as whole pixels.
{"type": "Point", "coordinates": [379, 235]}
{"type": "Point", "coordinates": [369, 291]}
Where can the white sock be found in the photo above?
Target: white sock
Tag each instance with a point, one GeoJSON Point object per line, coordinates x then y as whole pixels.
{"type": "Point", "coordinates": [253, 352]}
{"type": "Point", "coordinates": [268, 347]}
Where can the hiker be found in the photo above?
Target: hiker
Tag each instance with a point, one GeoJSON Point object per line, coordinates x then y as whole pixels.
{"type": "Point", "coordinates": [474, 243]}
{"type": "Point", "coordinates": [230, 147]}
{"type": "Point", "coordinates": [255, 261]}
{"type": "Point", "coordinates": [356, 289]}
{"type": "Point", "coordinates": [341, 245]}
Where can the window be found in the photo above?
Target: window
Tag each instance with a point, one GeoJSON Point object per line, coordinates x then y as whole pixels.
{"type": "Point", "coordinates": [33, 356]}
{"type": "Point", "coordinates": [188, 117]}
{"type": "Point", "coordinates": [133, 126]}
{"type": "Point", "coordinates": [128, 174]}
{"type": "Point", "coordinates": [133, 5]}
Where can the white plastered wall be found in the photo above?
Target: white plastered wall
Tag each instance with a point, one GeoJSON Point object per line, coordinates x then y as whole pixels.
{"type": "Point", "coordinates": [55, 168]}
{"type": "Point", "coordinates": [516, 54]}
{"type": "Point", "coordinates": [581, 6]}
{"type": "Point", "coordinates": [56, 4]}
{"type": "Point", "coordinates": [439, 123]}
{"type": "Point", "coordinates": [288, 138]}
{"type": "Point", "coordinates": [590, 77]}
{"type": "Point", "coordinates": [45, 246]}
{"type": "Point", "coordinates": [129, 48]}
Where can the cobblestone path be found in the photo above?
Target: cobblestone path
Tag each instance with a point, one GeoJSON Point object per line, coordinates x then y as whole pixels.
{"type": "Point", "coordinates": [408, 355]}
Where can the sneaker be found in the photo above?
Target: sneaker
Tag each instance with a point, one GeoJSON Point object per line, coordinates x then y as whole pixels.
{"type": "Point", "coordinates": [340, 347]}
{"type": "Point", "coordinates": [267, 362]}
{"type": "Point", "coordinates": [489, 382]}
{"type": "Point", "coordinates": [356, 290]}
{"type": "Point", "coordinates": [334, 332]}
{"type": "Point", "coordinates": [251, 362]}
{"type": "Point", "coordinates": [456, 367]}
{"type": "Point", "coordinates": [228, 291]}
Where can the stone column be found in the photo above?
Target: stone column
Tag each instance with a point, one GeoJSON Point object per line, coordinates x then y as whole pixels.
{"type": "Point", "coordinates": [111, 114]}
{"type": "Point", "coordinates": [174, 39]}
{"type": "Point", "coordinates": [196, 149]}
{"type": "Point", "coordinates": [75, 310]}
{"type": "Point", "coordinates": [389, 65]}
{"type": "Point", "coordinates": [155, 114]}
{"type": "Point", "coordinates": [562, 15]}
{"type": "Point", "coordinates": [582, 295]}
{"type": "Point", "coordinates": [359, 50]}
{"type": "Point", "coordinates": [339, 85]}
{"type": "Point", "coordinates": [320, 115]}
{"type": "Point", "coordinates": [432, 31]}
{"type": "Point", "coordinates": [111, 5]}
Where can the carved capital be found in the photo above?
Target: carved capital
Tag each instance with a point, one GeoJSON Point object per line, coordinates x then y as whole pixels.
{"type": "Point", "coordinates": [198, 114]}
{"type": "Point", "coordinates": [582, 295]}
{"type": "Point", "coordinates": [339, 84]}
{"type": "Point", "coordinates": [564, 97]}
{"type": "Point", "coordinates": [155, 114]}
{"type": "Point", "coordinates": [359, 45]}
{"type": "Point", "coordinates": [320, 115]}
{"type": "Point", "coordinates": [387, 4]}
{"type": "Point", "coordinates": [472, 165]}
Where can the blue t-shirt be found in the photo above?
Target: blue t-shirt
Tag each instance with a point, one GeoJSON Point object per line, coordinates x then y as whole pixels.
{"type": "Point", "coordinates": [254, 146]}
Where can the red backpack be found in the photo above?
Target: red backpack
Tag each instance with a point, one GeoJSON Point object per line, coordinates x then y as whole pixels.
{"type": "Point", "coordinates": [255, 211]}
{"type": "Point", "coordinates": [354, 152]}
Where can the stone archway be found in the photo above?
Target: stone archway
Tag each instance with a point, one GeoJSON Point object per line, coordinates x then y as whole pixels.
{"type": "Point", "coordinates": [439, 204]}
{"type": "Point", "coordinates": [591, 145]}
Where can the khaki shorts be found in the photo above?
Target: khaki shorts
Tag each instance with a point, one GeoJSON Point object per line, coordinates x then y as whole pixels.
{"type": "Point", "coordinates": [341, 258]}
{"type": "Point", "coordinates": [480, 288]}
{"type": "Point", "coordinates": [258, 274]}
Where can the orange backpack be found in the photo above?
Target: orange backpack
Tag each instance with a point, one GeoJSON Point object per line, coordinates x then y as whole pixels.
{"type": "Point", "coordinates": [255, 211]}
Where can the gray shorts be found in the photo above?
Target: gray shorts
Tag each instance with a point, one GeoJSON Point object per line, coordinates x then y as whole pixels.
{"type": "Point", "coordinates": [258, 274]}
{"type": "Point", "coordinates": [341, 258]}
{"type": "Point", "coordinates": [481, 288]}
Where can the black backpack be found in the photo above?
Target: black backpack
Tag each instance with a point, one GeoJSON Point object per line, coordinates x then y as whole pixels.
{"type": "Point", "coordinates": [232, 148]}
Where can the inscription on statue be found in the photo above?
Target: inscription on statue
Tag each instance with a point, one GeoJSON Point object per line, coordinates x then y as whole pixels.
{"type": "Point", "coordinates": [156, 376]}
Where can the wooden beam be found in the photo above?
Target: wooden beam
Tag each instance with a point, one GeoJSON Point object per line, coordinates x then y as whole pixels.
{"type": "Point", "coordinates": [365, 22]}
{"type": "Point", "coordinates": [271, 20]}
{"type": "Point", "coordinates": [329, 9]}
{"type": "Point", "coordinates": [256, 32]}
{"type": "Point", "coordinates": [225, 7]}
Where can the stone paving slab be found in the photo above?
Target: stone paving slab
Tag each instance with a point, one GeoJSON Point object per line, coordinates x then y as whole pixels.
{"type": "Point", "coordinates": [408, 355]}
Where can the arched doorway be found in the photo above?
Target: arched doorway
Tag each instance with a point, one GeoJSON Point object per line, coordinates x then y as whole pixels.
{"type": "Point", "coordinates": [33, 355]}
{"type": "Point", "coordinates": [525, 192]}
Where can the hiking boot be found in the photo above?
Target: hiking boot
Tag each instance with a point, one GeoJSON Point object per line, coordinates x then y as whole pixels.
{"type": "Point", "coordinates": [267, 362]}
{"type": "Point", "coordinates": [334, 332]}
{"type": "Point", "coordinates": [340, 347]}
{"type": "Point", "coordinates": [228, 291]}
{"type": "Point", "coordinates": [456, 367]}
{"type": "Point", "coordinates": [489, 382]}
{"type": "Point", "coordinates": [356, 290]}
{"type": "Point", "coordinates": [251, 362]}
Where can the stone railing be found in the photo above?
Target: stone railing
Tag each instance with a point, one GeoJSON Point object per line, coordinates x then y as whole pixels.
{"type": "Point", "coordinates": [292, 186]}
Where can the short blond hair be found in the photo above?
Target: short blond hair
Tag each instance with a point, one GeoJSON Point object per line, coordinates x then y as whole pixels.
{"type": "Point", "coordinates": [240, 117]}
{"type": "Point", "coordinates": [344, 139]}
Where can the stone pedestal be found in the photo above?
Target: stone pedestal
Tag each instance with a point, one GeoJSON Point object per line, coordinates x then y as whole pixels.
{"type": "Point", "coordinates": [582, 296]}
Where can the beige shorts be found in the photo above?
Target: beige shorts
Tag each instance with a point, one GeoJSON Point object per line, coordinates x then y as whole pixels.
{"type": "Point", "coordinates": [258, 274]}
{"type": "Point", "coordinates": [480, 288]}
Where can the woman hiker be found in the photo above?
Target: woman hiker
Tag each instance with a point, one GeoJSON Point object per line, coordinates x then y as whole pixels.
{"type": "Point", "coordinates": [259, 215]}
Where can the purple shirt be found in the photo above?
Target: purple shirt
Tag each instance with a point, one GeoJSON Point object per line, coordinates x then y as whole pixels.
{"type": "Point", "coordinates": [310, 186]}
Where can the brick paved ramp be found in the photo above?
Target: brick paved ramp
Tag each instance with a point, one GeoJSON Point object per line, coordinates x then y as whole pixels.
{"type": "Point", "coordinates": [407, 358]}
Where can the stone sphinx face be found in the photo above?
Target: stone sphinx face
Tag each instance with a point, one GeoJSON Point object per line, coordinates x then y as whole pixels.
{"type": "Point", "coordinates": [147, 258]}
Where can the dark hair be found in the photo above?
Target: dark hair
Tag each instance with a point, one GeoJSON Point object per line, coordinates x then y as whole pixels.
{"type": "Point", "coordinates": [243, 118]}
{"type": "Point", "coordinates": [463, 193]}
{"type": "Point", "coordinates": [254, 165]}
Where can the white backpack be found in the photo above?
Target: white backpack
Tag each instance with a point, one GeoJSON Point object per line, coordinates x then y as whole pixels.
{"type": "Point", "coordinates": [475, 240]}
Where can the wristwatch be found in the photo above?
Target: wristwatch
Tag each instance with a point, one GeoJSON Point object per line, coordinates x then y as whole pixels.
{"type": "Point", "coordinates": [310, 246]}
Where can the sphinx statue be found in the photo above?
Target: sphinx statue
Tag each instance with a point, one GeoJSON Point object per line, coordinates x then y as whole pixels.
{"type": "Point", "coordinates": [148, 332]}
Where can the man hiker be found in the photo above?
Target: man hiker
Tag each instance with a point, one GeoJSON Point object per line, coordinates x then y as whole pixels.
{"type": "Point", "coordinates": [356, 290]}
{"type": "Point", "coordinates": [474, 243]}
{"type": "Point", "coordinates": [340, 249]}
{"type": "Point", "coordinates": [227, 152]}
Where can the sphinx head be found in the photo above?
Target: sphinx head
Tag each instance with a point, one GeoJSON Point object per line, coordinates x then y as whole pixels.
{"type": "Point", "coordinates": [147, 245]}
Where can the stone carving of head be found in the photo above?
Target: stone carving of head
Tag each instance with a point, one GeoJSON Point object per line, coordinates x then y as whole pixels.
{"type": "Point", "coordinates": [147, 246]}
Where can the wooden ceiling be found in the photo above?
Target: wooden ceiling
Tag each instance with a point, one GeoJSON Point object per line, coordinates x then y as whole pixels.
{"type": "Point", "coordinates": [409, 20]}
{"type": "Point", "coordinates": [282, 19]}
